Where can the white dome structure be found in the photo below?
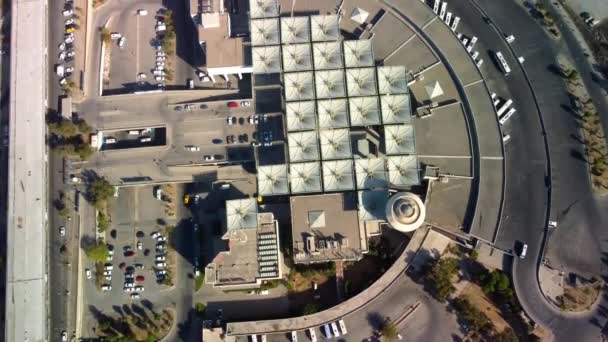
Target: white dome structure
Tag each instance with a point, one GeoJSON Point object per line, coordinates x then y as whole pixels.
{"type": "Point", "coordinates": [405, 212]}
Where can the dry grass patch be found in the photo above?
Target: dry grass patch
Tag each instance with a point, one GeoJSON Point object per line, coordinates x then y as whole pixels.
{"type": "Point", "coordinates": [579, 298]}
{"type": "Point", "coordinates": [478, 298]}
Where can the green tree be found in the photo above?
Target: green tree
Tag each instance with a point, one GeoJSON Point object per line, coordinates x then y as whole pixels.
{"type": "Point", "coordinates": [98, 252]}
{"type": "Point", "coordinates": [64, 128]}
{"type": "Point", "coordinates": [103, 222]}
{"type": "Point", "coordinates": [200, 308]}
{"type": "Point", "coordinates": [389, 330]}
{"type": "Point", "coordinates": [100, 190]}
{"type": "Point", "coordinates": [494, 282]}
{"type": "Point", "coordinates": [311, 308]}
{"type": "Point", "coordinates": [440, 278]}
{"type": "Point", "coordinates": [506, 335]}
{"type": "Point", "coordinates": [106, 36]}
{"type": "Point", "coordinates": [476, 319]}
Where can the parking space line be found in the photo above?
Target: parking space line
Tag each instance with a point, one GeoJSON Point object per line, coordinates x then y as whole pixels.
{"type": "Point", "coordinates": [137, 45]}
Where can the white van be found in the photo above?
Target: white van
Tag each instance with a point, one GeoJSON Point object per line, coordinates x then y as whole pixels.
{"type": "Point", "coordinates": [334, 328]}
{"type": "Point", "coordinates": [254, 338]}
{"type": "Point", "coordinates": [342, 327]}
{"type": "Point", "coordinates": [294, 336]}
{"type": "Point", "coordinates": [134, 132]}
{"type": "Point", "coordinates": [327, 331]}
{"type": "Point", "coordinates": [110, 140]}
{"type": "Point", "coordinates": [313, 335]}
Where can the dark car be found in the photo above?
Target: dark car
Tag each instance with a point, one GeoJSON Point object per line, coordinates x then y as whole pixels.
{"type": "Point", "coordinates": [140, 234]}
{"type": "Point", "coordinates": [140, 279]}
{"type": "Point", "coordinates": [129, 254]}
{"type": "Point", "coordinates": [232, 104]}
{"type": "Point", "coordinates": [204, 106]}
{"type": "Point", "coordinates": [217, 141]}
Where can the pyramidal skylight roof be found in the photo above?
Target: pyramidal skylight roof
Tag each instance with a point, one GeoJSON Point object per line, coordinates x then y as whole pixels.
{"type": "Point", "coordinates": [333, 113]}
{"type": "Point", "coordinates": [272, 180]}
{"type": "Point", "coordinates": [358, 53]}
{"type": "Point", "coordinates": [327, 55]}
{"type": "Point", "coordinates": [372, 204]}
{"type": "Point", "coordinates": [241, 214]}
{"type": "Point", "coordinates": [370, 173]}
{"type": "Point", "coordinates": [364, 111]}
{"type": "Point", "coordinates": [403, 170]}
{"type": "Point", "coordinates": [399, 139]}
{"type": "Point", "coordinates": [392, 80]}
{"type": "Point", "coordinates": [295, 30]}
{"type": "Point", "coordinates": [335, 143]}
{"type": "Point", "coordinates": [338, 175]}
{"type": "Point", "coordinates": [299, 86]}
{"type": "Point", "coordinates": [305, 177]}
{"type": "Point", "coordinates": [324, 28]}
{"type": "Point", "coordinates": [301, 115]}
{"type": "Point", "coordinates": [361, 81]}
{"type": "Point", "coordinates": [263, 8]}
{"type": "Point", "coordinates": [395, 108]}
{"type": "Point", "coordinates": [266, 59]}
{"type": "Point", "coordinates": [330, 84]}
{"type": "Point", "coordinates": [297, 57]}
{"type": "Point", "coordinates": [303, 146]}
{"type": "Point", "coordinates": [265, 32]}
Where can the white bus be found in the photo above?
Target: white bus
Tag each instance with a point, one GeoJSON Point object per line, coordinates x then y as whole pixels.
{"type": "Point", "coordinates": [507, 116]}
{"type": "Point", "coordinates": [504, 107]}
{"type": "Point", "coordinates": [503, 63]}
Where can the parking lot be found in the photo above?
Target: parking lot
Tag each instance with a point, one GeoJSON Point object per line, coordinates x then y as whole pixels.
{"type": "Point", "coordinates": [134, 56]}
{"type": "Point", "coordinates": [139, 226]}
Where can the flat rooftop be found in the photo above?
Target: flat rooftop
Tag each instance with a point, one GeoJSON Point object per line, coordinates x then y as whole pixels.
{"type": "Point", "coordinates": [221, 50]}
{"type": "Point", "coordinates": [325, 227]}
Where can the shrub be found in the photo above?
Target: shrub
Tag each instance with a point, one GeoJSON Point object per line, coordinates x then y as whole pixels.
{"type": "Point", "coordinates": [440, 278]}
{"type": "Point", "coordinates": [98, 252]}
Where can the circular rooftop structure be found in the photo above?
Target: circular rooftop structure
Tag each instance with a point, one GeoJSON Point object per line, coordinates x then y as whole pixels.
{"type": "Point", "coordinates": [405, 211]}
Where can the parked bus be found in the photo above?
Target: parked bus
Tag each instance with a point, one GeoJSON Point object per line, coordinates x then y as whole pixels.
{"type": "Point", "coordinates": [503, 63]}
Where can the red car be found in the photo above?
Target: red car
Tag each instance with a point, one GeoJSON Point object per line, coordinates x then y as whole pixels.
{"type": "Point", "coordinates": [140, 279]}
{"type": "Point", "coordinates": [129, 253]}
{"type": "Point", "coordinates": [233, 104]}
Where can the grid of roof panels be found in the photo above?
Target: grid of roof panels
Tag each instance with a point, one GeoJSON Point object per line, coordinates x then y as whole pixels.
{"type": "Point", "coordinates": [330, 84]}
{"type": "Point", "coordinates": [403, 170]}
{"type": "Point", "coordinates": [370, 173]}
{"type": "Point", "coordinates": [358, 53]}
{"type": "Point", "coordinates": [305, 177]}
{"type": "Point", "coordinates": [324, 28]}
{"type": "Point", "coordinates": [335, 143]}
{"type": "Point", "coordinates": [272, 180]}
{"type": "Point", "coordinates": [263, 8]}
{"type": "Point", "coordinates": [299, 86]}
{"type": "Point", "coordinates": [266, 59]}
{"type": "Point", "coordinates": [333, 113]}
{"type": "Point", "coordinates": [399, 139]}
{"type": "Point", "coordinates": [395, 109]}
{"type": "Point", "coordinates": [361, 81]}
{"type": "Point", "coordinates": [241, 214]}
{"type": "Point", "coordinates": [301, 115]}
{"type": "Point", "coordinates": [265, 32]}
{"type": "Point", "coordinates": [372, 204]}
{"type": "Point", "coordinates": [297, 57]}
{"type": "Point", "coordinates": [364, 111]}
{"type": "Point", "coordinates": [295, 30]}
{"type": "Point", "coordinates": [303, 146]}
{"type": "Point", "coordinates": [392, 80]}
{"type": "Point", "coordinates": [338, 175]}
{"type": "Point", "coordinates": [268, 255]}
{"type": "Point", "coordinates": [327, 55]}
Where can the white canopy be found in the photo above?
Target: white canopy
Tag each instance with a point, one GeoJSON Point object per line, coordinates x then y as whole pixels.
{"type": "Point", "coordinates": [305, 177]}
{"type": "Point", "coordinates": [327, 55]}
{"type": "Point", "coordinates": [370, 173]}
{"type": "Point", "coordinates": [399, 139]}
{"type": "Point", "coordinates": [241, 214]}
{"type": "Point", "coordinates": [297, 57]}
{"type": "Point", "coordinates": [272, 180]}
{"type": "Point", "coordinates": [263, 8]}
{"type": "Point", "coordinates": [265, 32]}
{"type": "Point", "coordinates": [330, 84]}
{"type": "Point", "coordinates": [266, 59]}
{"type": "Point", "coordinates": [299, 86]}
{"type": "Point", "coordinates": [303, 146]}
{"type": "Point", "coordinates": [403, 170]}
{"type": "Point", "coordinates": [333, 113]}
{"type": "Point", "coordinates": [361, 81]}
{"type": "Point", "coordinates": [301, 115]}
{"type": "Point", "coordinates": [358, 53]}
{"type": "Point", "coordinates": [324, 28]}
{"type": "Point", "coordinates": [433, 90]}
{"type": "Point", "coordinates": [364, 111]}
{"type": "Point", "coordinates": [335, 143]}
{"type": "Point", "coordinates": [338, 175]}
{"type": "Point", "coordinates": [395, 108]}
{"type": "Point", "coordinates": [295, 30]}
{"type": "Point", "coordinates": [392, 80]}
{"type": "Point", "coordinates": [359, 15]}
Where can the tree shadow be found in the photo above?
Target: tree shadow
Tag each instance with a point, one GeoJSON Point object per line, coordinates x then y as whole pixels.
{"type": "Point", "coordinates": [578, 155]}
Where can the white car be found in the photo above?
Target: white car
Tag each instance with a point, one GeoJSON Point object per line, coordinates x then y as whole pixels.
{"type": "Point", "coordinates": [245, 103]}
{"type": "Point", "coordinates": [190, 83]}
{"type": "Point", "coordinates": [158, 193]}
{"type": "Point", "coordinates": [161, 238]}
{"type": "Point", "coordinates": [107, 273]}
{"type": "Point", "coordinates": [140, 245]}
{"type": "Point", "coordinates": [161, 272]}
{"type": "Point", "coordinates": [160, 64]}
{"type": "Point", "coordinates": [141, 76]}
{"type": "Point", "coordinates": [71, 54]}
{"type": "Point", "coordinates": [139, 288]}
{"type": "Point", "coordinates": [142, 12]}
{"type": "Point", "coordinates": [135, 296]}
{"type": "Point", "coordinates": [524, 249]}
{"type": "Point", "coordinates": [160, 58]}
{"type": "Point", "coordinates": [106, 287]}
{"type": "Point", "coordinates": [69, 39]}
{"type": "Point", "coordinates": [69, 21]}
{"type": "Point", "coordinates": [231, 120]}
{"type": "Point", "coordinates": [108, 268]}
{"type": "Point", "coordinates": [87, 273]}
{"type": "Point", "coordinates": [159, 78]}
{"type": "Point", "coordinates": [161, 258]}
{"type": "Point", "coordinates": [208, 158]}
{"type": "Point", "coordinates": [128, 289]}
{"type": "Point", "coordinates": [552, 224]}
{"type": "Point", "coordinates": [63, 81]}
{"type": "Point", "coordinates": [109, 278]}
{"type": "Point", "coordinates": [161, 264]}
{"type": "Point", "coordinates": [129, 285]}
{"type": "Point", "coordinates": [64, 336]}
{"type": "Point", "coordinates": [62, 46]}
{"type": "Point", "coordinates": [191, 148]}
{"type": "Point", "coordinates": [62, 231]}
{"type": "Point", "coordinates": [155, 235]}
{"type": "Point", "coordinates": [68, 13]}
{"type": "Point", "coordinates": [121, 42]}
{"type": "Point", "coordinates": [62, 55]}
{"type": "Point", "coordinates": [115, 35]}
{"type": "Point", "coordinates": [160, 54]}
{"type": "Point", "coordinates": [69, 70]}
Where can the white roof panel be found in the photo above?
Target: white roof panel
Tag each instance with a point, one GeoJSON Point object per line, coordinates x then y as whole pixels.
{"type": "Point", "coordinates": [395, 108]}
{"type": "Point", "coordinates": [263, 8]}
{"type": "Point", "coordinates": [335, 143]}
{"type": "Point", "coordinates": [399, 139]}
{"type": "Point", "coordinates": [324, 28]}
{"type": "Point", "coordinates": [358, 53]}
{"type": "Point", "coordinates": [361, 81]}
{"type": "Point", "coordinates": [305, 177]}
{"type": "Point", "coordinates": [266, 59]}
{"type": "Point", "coordinates": [327, 55]}
{"type": "Point", "coordinates": [370, 173]}
{"type": "Point", "coordinates": [295, 30]}
{"type": "Point", "coordinates": [392, 80]}
{"type": "Point", "coordinates": [359, 15]}
{"type": "Point", "coordinates": [301, 115]}
{"type": "Point", "coordinates": [272, 180]}
{"type": "Point", "coordinates": [403, 170]}
{"type": "Point", "coordinates": [364, 111]}
{"type": "Point", "coordinates": [333, 113]}
{"type": "Point", "coordinates": [265, 32]}
{"type": "Point", "coordinates": [330, 84]}
{"type": "Point", "coordinates": [297, 57]}
{"type": "Point", "coordinates": [241, 214]}
{"type": "Point", "coordinates": [372, 204]}
{"type": "Point", "coordinates": [303, 146]}
{"type": "Point", "coordinates": [338, 175]}
{"type": "Point", "coordinates": [299, 86]}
